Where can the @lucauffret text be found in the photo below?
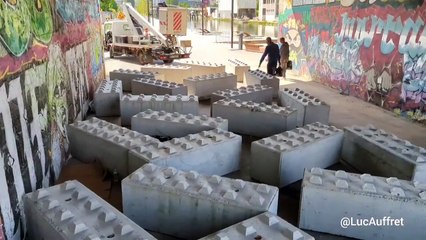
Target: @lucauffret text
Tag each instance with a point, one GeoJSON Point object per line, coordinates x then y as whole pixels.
{"type": "Point", "coordinates": [346, 222]}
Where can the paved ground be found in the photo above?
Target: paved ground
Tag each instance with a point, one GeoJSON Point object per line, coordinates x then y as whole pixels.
{"type": "Point", "coordinates": [345, 111]}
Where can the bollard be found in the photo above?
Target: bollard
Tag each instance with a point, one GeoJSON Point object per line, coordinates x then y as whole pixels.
{"type": "Point", "coordinates": [240, 41]}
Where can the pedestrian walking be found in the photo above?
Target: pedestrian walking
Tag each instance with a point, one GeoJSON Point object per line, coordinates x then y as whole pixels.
{"type": "Point", "coordinates": [273, 53]}
{"type": "Point", "coordinates": [284, 55]}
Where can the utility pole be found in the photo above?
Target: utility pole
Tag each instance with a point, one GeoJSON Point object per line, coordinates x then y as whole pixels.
{"type": "Point", "coordinates": [202, 17]}
{"type": "Point", "coordinates": [232, 23]}
{"type": "Point", "coordinates": [147, 9]}
{"type": "Point", "coordinates": [152, 11]}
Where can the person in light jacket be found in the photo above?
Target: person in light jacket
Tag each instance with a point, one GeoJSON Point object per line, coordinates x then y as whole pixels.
{"type": "Point", "coordinates": [284, 55]}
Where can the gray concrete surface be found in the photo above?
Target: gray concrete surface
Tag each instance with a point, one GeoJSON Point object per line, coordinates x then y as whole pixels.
{"type": "Point", "coordinates": [345, 111]}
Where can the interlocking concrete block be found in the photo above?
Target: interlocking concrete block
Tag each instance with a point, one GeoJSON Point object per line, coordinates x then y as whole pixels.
{"type": "Point", "coordinates": [108, 143]}
{"type": "Point", "coordinates": [204, 68]}
{"type": "Point", "coordinates": [151, 86]}
{"type": "Point", "coordinates": [375, 151]}
{"type": "Point", "coordinates": [131, 105]}
{"type": "Point", "coordinates": [254, 119]}
{"type": "Point", "coordinates": [189, 205]}
{"type": "Point", "coordinates": [172, 73]}
{"type": "Point", "coordinates": [214, 152]}
{"type": "Point", "coordinates": [126, 76]}
{"type": "Point", "coordinates": [263, 226]}
{"type": "Point", "coordinates": [263, 78]}
{"type": "Point", "coordinates": [239, 68]}
{"type": "Point", "coordinates": [204, 85]}
{"type": "Point", "coordinates": [107, 98]}
{"type": "Point", "coordinates": [281, 159]}
{"type": "Point", "coordinates": [309, 108]}
{"type": "Point", "coordinates": [161, 123]}
{"type": "Point", "coordinates": [329, 196]}
{"type": "Point", "coordinates": [256, 93]}
{"type": "Point", "coordinates": [71, 211]}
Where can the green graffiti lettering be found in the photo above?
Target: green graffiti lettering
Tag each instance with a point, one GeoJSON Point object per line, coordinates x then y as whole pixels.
{"type": "Point", "coordinates": [15, 31]}
{"type": "Point", "coordinates": [41, 20]}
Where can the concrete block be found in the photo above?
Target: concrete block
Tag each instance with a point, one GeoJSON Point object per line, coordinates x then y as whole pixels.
{"type": "Point", "coordinates": [329, 196]}
{"type": "Point", "coordinates": [126, 76]}
{"type": "Point", "coordinates": [263, 226]}
{"type": "Point", "coordinates": [107, 98]}
{"type": "Point", "coordinates": [71, 211]}
{"type": "Point", "coordinates": [239, 68]}
{"type": "Point", "coordinates": [131, 105]}
{"type": "Point", "coordinates": [161, 123]}
{"type": "Point", "coordinates": [263, 78]}
{"type": "Point", "coordinates": [256, 93]}
{"type": "Point", "coordinates": [204, 68]}
{"type": "Point", "coordinates": [204, 85]}
{"type": "Point", "coordinates": [281, 159]}
{"type": "Point", "coordinates": [254, 119]}
{"type": "Point", "coordinates": [189, 205]}
{"type": "Point", "coordinates": [214, 152]}
{"type": "Point", "coordinates": [377, 152]}
{"type": "Point", "coordinates": [108, 143]}
{"type": "Point", "coordinates": [151, 86]}
{"type": "Point", "coordinates": [309, 108]}
{"type": "Point", "coordinates": [172, 73]}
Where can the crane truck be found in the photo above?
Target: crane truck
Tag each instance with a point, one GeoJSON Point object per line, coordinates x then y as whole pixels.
{"type": "Point", "coordinates": [136, 36]}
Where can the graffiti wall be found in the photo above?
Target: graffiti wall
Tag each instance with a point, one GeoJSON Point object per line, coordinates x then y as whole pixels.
{"type": "Point", "coordinates": [50, 63]}
{"type": "Point", "coordinates": [374, 50]}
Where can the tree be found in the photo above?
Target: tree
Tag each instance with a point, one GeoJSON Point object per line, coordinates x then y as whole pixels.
{"type": "Point", "coordinates": [142, 7]}
{"type": "Point", "coordinates": [172, 2]}
{"type": "Point", "coordinates": [109, 5]}
{"type": "Point", "coordinates": [184, 5]}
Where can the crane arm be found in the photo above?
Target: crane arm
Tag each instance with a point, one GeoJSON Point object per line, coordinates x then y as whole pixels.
{"type": "Point", "coordinates": [137, 20]}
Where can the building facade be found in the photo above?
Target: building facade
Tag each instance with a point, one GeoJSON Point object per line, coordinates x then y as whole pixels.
{"type": "Point", "coordinates": [268, 10]}
{"type": "Point", "coordinates": [242, 9]}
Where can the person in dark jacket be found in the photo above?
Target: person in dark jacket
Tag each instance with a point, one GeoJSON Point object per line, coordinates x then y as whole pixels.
{"type": "Point", "coordinates": [285, 54]}
{"type": "Point", "coordinates": [273, 53]}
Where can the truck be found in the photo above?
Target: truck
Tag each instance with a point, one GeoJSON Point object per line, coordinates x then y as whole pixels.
{"type": "Point", "coordinates": [136, 36]}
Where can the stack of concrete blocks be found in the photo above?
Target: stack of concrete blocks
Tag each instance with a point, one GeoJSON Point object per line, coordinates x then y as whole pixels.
{"type": "Point", "coordinates": [331, 198]}
{"type": "Point", "coordinates": [263, 78]}
{"type": "Point", "coordinates": [204, 85]}
{"type": "Point", "coordinates": [309, 109]}
{"type": "Point", "coordinates": [377, 152]}
{"type": "Point", "coordinates": [189, 205]}
{"type": "Point", "coordinates": [161, 123]}
{"type": "Point", "coordinates": [126, 76]}
{"type": "Point", "coordinates": [214, 152]}
{"type": "Point", "coordinates": [239, 68]}
{"type": "Point", "coordinates": [254, 119]}
{"type": "Point", "coordinates": [263, 226]}
{"type": "Point", "coordinates": [107, 98]}
{"type": "Point", "coordinates": [171, 73]}
{"type": "Point", "coordinates": [256, 93]}
{"type": "Point", "coordinates": [108, 143]}
{"type": "Point", "coordinates": [281, 159]}
{"type": "Point", "coordinates": [204, 68]}
{"type": "Point", "coordinates": [150, 86]}
{"type": "Point", "coordinates": [131, 105]}
{"type": "Point", "coordinates": [72, 211]}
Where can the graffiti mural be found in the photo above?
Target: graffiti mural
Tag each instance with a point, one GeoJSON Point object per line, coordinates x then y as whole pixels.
{"type": "Point", "coordinates": [374, 50]}
{"type": "Point", "coordinates": [51, 60]}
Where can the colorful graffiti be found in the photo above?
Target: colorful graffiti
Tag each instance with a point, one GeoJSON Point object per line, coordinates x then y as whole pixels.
{"type": "Point", "coordinates": [373, 50]}
{"type": "Point", "coordinates": [51, 60]}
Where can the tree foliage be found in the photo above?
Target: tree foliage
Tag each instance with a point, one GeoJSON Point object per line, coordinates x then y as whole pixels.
{"type": "Point", "coordinates": [184, 5]}
{"type": "Point", "coordinates": [109, 5]}
{"type": "Point", "coordinates": [172, 2]}
{"type": "Point", "coordinates": [142, 7]}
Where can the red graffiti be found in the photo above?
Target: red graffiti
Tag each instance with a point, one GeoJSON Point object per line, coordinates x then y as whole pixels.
{"type": "Point", "coordinates": [76, 33]}
{"type": "Point", "coordinates": [11, 65]}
